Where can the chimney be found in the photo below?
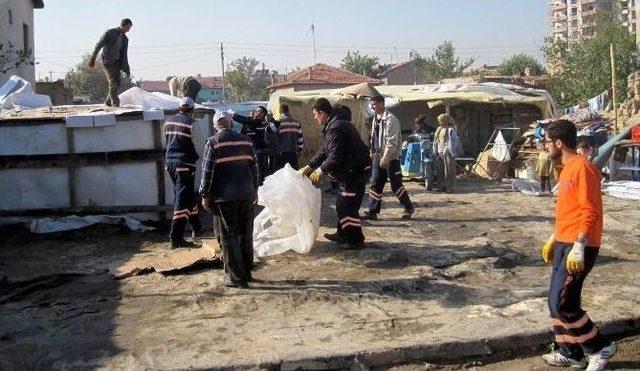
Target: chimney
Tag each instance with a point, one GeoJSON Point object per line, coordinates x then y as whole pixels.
{"type": "Point", "coordinates": [311, 73]}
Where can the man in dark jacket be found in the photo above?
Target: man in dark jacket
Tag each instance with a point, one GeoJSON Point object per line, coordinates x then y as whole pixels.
{"type": "Point", "coordinates": [114, 45]}
{"type": "Point", "coordinates": [181, 157]}
{"type": "Point", "coordinates": [345, 157]}
{"type": "Point", "coordinates": [256, 127]}
{"type": "Point", "coordinates": [290, 139]}
{"type": "Point", "coordinates": [229, 187]}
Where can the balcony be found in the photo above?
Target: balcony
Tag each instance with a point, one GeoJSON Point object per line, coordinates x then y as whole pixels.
{"type": "Point", "coordinates": [559, 5]}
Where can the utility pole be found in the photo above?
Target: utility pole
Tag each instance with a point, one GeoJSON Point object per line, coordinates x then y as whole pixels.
{"type": "Point", "coordinates": [223, 78]}
{"type": "Point", "coordinates": [612, 51]}
{"type": "Point", "coordinates": [313, 35]}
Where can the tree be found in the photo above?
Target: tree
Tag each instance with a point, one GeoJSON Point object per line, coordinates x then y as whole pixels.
{"type": "Point", "coordinates": [83, 80]}
{"type": "Point", "coordinates": [245, 83]}
{"type": "Point", "coordinates": [359, 63]}
{"type": "Point", "coordinates": [442, 64]}
{"type": "Point", "coordinates": [10, 58]}
{"type": "Point", "coordinates": [581, 69]}
{"type": "Point", "coordinates": [518, 63]}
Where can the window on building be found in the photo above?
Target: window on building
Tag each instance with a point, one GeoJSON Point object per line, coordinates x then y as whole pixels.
{"type": "Point", "coordinates": [25, 37]}
{"type": "Point", "coordinates": [10, 16]}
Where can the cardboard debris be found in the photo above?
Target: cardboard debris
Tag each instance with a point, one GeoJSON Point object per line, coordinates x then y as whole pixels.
{"type": "Point", "coordinates": [169, 261]}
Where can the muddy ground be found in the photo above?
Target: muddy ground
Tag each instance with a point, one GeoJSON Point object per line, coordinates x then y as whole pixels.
{"type": "Point", "coordinates": [465, 267]}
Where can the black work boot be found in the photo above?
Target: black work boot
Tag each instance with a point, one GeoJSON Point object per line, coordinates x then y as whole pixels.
{"type": "Point", "coordinates": [408, 212]}
{"type": "Point", "coordinates": [335, 237]}
{"type": "Point", "coordinates": [369, 216]}
{"type": "Point", "coordinates": [182, 243]}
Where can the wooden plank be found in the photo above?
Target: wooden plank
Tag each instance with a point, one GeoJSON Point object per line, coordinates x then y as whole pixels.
{"type": "Point", "coordinates": [87, 210]}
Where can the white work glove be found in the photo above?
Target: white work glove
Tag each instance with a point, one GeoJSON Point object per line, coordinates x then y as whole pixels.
{"type": "Point", "coordinates": [575, 258]}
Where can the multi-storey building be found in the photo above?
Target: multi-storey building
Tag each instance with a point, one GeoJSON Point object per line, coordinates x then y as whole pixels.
{"type": "Point", "coordinates": [574, 19]}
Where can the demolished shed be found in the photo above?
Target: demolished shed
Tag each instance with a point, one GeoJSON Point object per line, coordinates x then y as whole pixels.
{"type": "Point", "coordinates": [478, 109]}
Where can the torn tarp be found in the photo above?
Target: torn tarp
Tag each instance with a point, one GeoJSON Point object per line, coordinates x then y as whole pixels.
{"type": "Point", "coordinates": [68, 223]}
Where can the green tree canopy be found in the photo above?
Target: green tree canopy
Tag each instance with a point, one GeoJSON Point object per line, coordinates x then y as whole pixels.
{"type": "Point", "coordinates": [359, 63]}
{"type": "Point", "coordinates": [581, 69]}
{"type": "Point", "coordinates": [518, 63]}
{"type": "Point", "coordinates": [89, 82]}
{"type": "Point", "coordinates": [442, 64]}
{"type": "Point", "coordinates": [244, 82]}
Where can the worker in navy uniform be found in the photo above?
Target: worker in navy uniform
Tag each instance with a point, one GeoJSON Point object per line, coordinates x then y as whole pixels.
{"type": "Point", "coordinates": [385, 150]}
{"type": "Point", "coordinates": [344, 156]}
{"type": "Point", "coordinates": [290, 139]}
{"type": "Point", "coordinates": [256, 127]}
{"type": "Point", "coordinates": [181, 157]}
{"type": "Point", "coordinates": [229, 188]}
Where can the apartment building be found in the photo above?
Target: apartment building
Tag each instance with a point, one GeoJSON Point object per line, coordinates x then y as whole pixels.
{"type": "Point", "coordinates": [574, 19]}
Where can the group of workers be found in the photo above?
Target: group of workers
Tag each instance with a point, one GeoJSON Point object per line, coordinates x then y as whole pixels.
{"type": "Point", "coordinates": [236, 161]}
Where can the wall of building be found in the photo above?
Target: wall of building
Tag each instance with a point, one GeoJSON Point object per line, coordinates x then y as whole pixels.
{"type": "Point", "coordinates": [211, 95]}
{"type": "Point", "coordinates": [11, 31]}
{"type": "Point", "coordinates": [404, 75]}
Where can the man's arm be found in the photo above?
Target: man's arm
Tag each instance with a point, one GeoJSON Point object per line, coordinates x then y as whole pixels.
{"type": "Point", "coordinates": [125, 58]}
{"type": "Point", "coordinates": [590, 200]}
{"type": "Point", "coordinates": [248, 121]}
{"type": "Point", "coordinates": [335, 151]}
{"type": "Point", "coordinates": [99, 45]}
{"type": "Point", "coordinates": [392, 132]}
{"type": "Point", "coordinates": [318, 158]}
{"type": "Point", "coordinates": [300, 140]}
{"type": "Point", "coordinates": [208, 169]}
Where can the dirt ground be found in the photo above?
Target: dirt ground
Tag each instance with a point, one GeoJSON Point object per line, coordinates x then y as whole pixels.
{"type": "Point", "coordinates": [465, 267]}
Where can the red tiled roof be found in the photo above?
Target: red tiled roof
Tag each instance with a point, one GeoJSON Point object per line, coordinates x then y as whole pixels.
{"type": "Point", "coordinates": [154, 86]}
{"type": "Point", "coordinates": [210, 82]}
{"type": "Point", "coordinates": [322, 74]}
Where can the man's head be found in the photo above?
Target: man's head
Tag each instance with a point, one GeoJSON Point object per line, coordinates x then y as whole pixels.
{"type": "Point", "coordinates": [342, 112]}
{"type": "Point", "coordinates": [377, 104]}
{"type": "Point", "coordinates": [221, 120]}
{"type": "Point", "coordinates": [260, 112]}
{"type": "Point", "coordinates": [125, 25]}
{"type": "Point", "coordinates": [284, 109]}
{"type": "Point", "coordinates": [584, 147]}
{"type": "Point", "coordinates": [186, 105]}
{"type": "Point", "coordinates": [445, 120]}
{"type": "Point", "coordinates": [420, 121]}
{"type": "Point", "coordinates": [322, 111]}
{"type": "Point", "coordinates": [559, 137]}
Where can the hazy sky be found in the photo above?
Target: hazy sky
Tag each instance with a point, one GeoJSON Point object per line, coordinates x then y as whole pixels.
{"type": "Point", "coordinates": [183, 37]}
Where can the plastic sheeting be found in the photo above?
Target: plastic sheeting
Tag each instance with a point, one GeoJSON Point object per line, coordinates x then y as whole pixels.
{"type": "Point", "coordinates": [68, 223]}
{"type": "Point", "coordinates": [623, 189]}
{"type": "Point", "coordinates": [150, 101]}
{"type": "Point", "coordinates": [528, 187]}
{"type": "Point", "coordinates": [18, 94]}
{"type": "Point", "coordinates": [291, 217]}
{"type": "Point", "coordinates": [500, 149]}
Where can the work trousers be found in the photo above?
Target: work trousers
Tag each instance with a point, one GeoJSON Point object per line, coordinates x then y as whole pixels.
{"type": "Point", "coordinates": [262, 156]}
{"type": "Point", "coordinates": [348, 204]}
{"type": "Point", "coordinates": [379, 179]}
{"type": "Point", "coordinates": [574, 332]}
{"type": "Point", "coordinates": [290, 158]}
{"type": "Point", "coordinates": [233, 226]}
{"type": "Point", "coordinates": [114, 78]}
{"type": "Point", "coordinates": [185, 204]}
{"type": "Point", "coordinates": [545, 183]}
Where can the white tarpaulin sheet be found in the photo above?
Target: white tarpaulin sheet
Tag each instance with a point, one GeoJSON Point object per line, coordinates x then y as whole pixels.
{"type": "Point", "coordinates": [623, 189]}
{"type": "Point", "coordinates": [291, 217]}
{"type": "Point", "coordinates": [18, 94]}
{"type": "Point", "coordinates": [68, 223]}
{"type": "Point", "coordinates": [149, 101]}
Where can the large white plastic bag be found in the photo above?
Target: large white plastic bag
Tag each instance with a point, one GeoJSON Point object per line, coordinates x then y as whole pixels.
{"type": "Point", "coordinates": [291, 217]}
